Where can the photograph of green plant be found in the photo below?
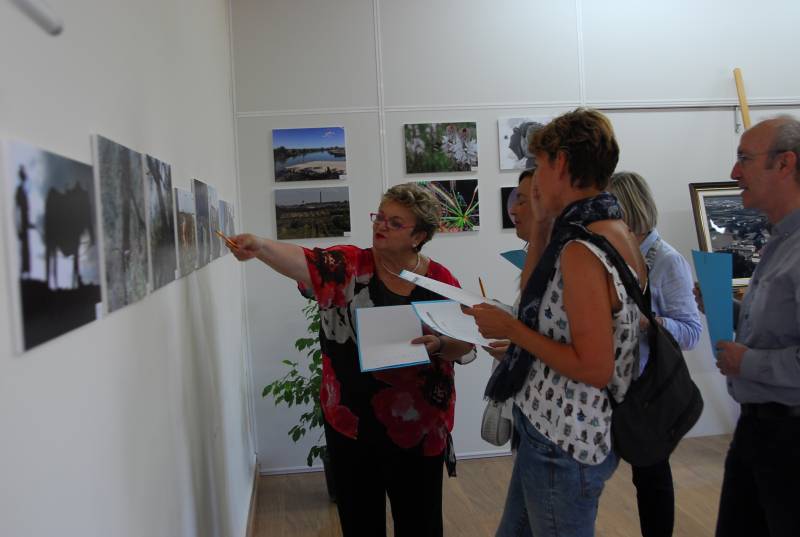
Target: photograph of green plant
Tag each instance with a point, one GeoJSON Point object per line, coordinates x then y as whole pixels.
{"type": "Point", "coordinates": [459, 200]}
{"type": "Point", "coordinates": [441, 147]}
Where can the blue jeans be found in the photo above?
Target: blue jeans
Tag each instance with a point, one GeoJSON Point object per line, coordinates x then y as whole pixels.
{"type": "Point", "coordinates": [551, 494]}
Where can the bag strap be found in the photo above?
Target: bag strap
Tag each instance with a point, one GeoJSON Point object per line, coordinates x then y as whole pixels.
{"type": "Point", "coordinates": [629, 281]}
{"type": "Point", "coordinates": [642, 299]}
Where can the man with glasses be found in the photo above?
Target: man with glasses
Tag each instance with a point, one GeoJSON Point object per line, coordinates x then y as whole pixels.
{"type": "Point", "coordinates": [762, 367]}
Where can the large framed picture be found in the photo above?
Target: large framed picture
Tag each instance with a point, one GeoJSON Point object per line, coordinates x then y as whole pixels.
{"type": "Point", "coordinates": [724, 225]}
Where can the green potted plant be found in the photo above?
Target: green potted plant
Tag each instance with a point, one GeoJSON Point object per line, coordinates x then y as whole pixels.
{"type": "Point", "coordinates": [298, 387]}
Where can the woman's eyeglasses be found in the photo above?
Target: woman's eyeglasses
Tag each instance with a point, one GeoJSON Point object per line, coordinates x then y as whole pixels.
{"type": "Point", "coordinates": [392, 223]}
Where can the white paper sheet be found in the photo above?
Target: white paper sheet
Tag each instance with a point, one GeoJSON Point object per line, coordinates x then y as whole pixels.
{"type": "Point", "coordinates": [384, 338]}
{"type": "Point", "coordinates": [443, 289]}
{"type": "Point", "coordinates": [446, 317]}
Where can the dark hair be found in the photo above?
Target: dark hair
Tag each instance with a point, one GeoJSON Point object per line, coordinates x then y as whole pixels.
{"type": "Point", "coordinates": [587, 139]}
{"type": "Point", "coordinates": [525, 174]}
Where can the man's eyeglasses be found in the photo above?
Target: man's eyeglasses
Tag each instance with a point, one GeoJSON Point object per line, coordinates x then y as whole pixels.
{"type": "Point", "coordinates": [741, 158]}
{"type": "Point", "coordinates": [392, 223]}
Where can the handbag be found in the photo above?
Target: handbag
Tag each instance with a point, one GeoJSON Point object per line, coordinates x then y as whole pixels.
{"type": "Point", "coordinates": [495, 428]}
{"type": "Point", "coordinates": [663, 403]}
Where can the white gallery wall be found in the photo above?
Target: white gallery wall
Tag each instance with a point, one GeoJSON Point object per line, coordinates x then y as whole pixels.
{"type": "Point", "coordinates": [661, 71]}
{"type": "Point", "coordinates": [138, 423]}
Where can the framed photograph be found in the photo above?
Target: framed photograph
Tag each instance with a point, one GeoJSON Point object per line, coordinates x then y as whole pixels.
{"type": "Point", "coordinates": [311, 213]}
{"type": "Point", "coordinates": [459, 201]}
{"type": "Point", "coordinates": [441, 147]}
{"type": "Point", "coordinates": [724, 225]}
{"type": "Point", "coordinates": [310, 154]}
{"type": "Point", "coordinates": [508, 196]}
{"type": "Point", "coordinates": [513, 136]}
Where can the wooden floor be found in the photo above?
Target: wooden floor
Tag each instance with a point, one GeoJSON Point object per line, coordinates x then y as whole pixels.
{"type": "Point", "coordinates": [297, 505]}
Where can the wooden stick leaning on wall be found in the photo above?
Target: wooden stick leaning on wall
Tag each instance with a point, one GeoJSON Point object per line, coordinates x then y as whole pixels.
{"type": "Point", "coordinates": [737, 75]}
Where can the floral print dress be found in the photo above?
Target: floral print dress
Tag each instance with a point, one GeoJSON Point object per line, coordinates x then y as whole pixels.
{"type": "Point", "coordinates": [410, 407]}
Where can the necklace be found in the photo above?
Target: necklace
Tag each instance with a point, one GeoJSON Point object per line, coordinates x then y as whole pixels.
{"type": "Point", "coordinates": [390, 271]}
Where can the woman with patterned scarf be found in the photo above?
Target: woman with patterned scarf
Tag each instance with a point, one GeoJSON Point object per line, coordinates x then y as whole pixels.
{"type": "Point", "coordinates": [575, 338]}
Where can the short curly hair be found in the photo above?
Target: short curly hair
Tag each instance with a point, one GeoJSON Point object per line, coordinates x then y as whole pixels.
{"type": "Point", "coordinates": [587, 138]}
{"type": "Point", "coordinates": [422, 203]}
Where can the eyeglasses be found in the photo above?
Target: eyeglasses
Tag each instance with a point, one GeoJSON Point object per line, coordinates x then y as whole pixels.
{"type": "Point", "coordinates": [741, 158]}
{"type": "Point", "coordinates": [392, 223]}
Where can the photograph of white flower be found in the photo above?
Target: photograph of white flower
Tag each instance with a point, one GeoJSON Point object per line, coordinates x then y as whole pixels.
{"type": "Point", "coordinates": [513, 136]}
{"type": "Point", "coordinates": [441, 147]}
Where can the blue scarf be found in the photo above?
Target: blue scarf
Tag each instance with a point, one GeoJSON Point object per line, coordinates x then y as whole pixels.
{"type": "Point", "coordinates": [510, 376]}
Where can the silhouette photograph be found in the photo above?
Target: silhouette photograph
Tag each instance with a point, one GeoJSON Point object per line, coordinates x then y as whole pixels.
{"type": "Point", "coordinates": [187, 242]}
{"type": "Point", "coordinates": [55, 254]}
{"type": "Point", "coordinates": [200, 190]}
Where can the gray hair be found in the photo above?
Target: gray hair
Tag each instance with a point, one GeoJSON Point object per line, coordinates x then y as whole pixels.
{"type": "Point", "coordinates": [422, 203]}
{"type": "Point", "coordinates": [638, 206]}
{"type": "Point", "coordinates": [787, 138]}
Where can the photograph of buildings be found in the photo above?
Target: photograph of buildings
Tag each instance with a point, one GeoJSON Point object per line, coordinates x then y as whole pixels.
{"type": "Point", "coordinates": [161, 221]}
{"type": "Point", "coordinates": [307, 213]}
{"type": "Point", "coordinates": [309, 154]}
{"type": "Point", "coordinates": [123, 224]}
{"type": "Point", "coordinates": [441, 147]}
{"type": "Point", "coordinates": [54, 253]}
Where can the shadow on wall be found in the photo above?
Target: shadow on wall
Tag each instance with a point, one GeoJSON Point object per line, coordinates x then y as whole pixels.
{"type": "Point", "coordinates": [202, 412]}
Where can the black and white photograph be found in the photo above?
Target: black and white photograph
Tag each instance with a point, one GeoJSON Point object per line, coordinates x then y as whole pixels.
{"type": "Point", "coordinates": [187, 238]}
{"type": "Point", "coordinates": [514, 134]}
{"type": "Point", "coordinates": [213, 222]}
{"type": "Point", "coordinates": [161, 221]}
{"type": "Point", "coordinates": [309, 213]}
{"type": "Point", "coordinates": [54, 253]}
{"type": "Point", "coordinates": [226, 222]}
{"type": "Point", "coordinates": [203, 229]}
{"type": "Point", "coordinates": [724, 225]}
{"type": "Point", "coordinates": [123, 223]}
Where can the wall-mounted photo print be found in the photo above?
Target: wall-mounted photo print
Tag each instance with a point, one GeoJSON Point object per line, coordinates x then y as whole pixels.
{"type": "Point", "coordinates": [459, 201]}
{"type": "Point", "coordinates": [54, 252]}
{"type": "Point", "coordinates": [724, 225]}
{"type": "Point", "coordinates": [441, 147]}
{"type": "Point", "coordinates": [124, 222]}
{"type": "Point", "coordinates": [309, 154]}
{"type": "Point", "coordinates": [187, 227]}
{"type": "Point", "coordinates": [161, 220]}
{"type": "Point", "coordinates": [213, 222]}
{"type": "Point", "coordinates": [226, 222]}
{"type": "Point", "coordinates": [513, 136]}
{"type": "Point", "coordinates": [203, 229]}
{"type": "Point", "coordinates": [508, 197]}
{"type": "Point", "coordinates": [309, 213]}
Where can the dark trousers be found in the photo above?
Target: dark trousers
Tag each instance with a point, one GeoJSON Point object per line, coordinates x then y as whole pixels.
{"type": "Point", "coordinates": [761, 488]}
{"type": "Point", "coordinates": [655, 496]}
{"type": "Point", "coordinates": [365, 474]}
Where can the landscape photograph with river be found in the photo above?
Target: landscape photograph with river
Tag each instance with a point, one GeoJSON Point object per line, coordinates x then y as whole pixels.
{"type": "Point", "coordinates": [310, 154]}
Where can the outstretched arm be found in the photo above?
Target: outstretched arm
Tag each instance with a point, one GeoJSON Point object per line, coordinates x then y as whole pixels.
{"type": "Point", "coordinates": [287, 259]}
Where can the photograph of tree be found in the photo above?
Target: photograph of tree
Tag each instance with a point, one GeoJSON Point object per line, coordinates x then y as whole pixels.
{"type": "Point", "coordinates": [161, 221]}
{"type": "Point", "coordinates": [187, 239]}
{"type": "Point", "coordinates": [459, 200]}
{"type": "Point", "coordinates": [308, 213]}
{"type": "Point", "coordinates": [508, 195]}
{"type": "Point", "coordinates": [309, 154]}
{"type": "Point", "coordinates": [213, 222]}
{"type": "Point", "coordinates": [200, 190]}
{"type": "Point", "coordinates": [53, 251]}
{"type": "Point", "coordinates": [441, 147]}
{"type": "Point", "coordinates": [513, 136]}
{"type": "Point", "coordinates": [123, 223]}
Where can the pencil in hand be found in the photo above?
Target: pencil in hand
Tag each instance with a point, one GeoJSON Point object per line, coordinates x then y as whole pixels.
{"type": "Point", "coordinates": [228, 241]}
